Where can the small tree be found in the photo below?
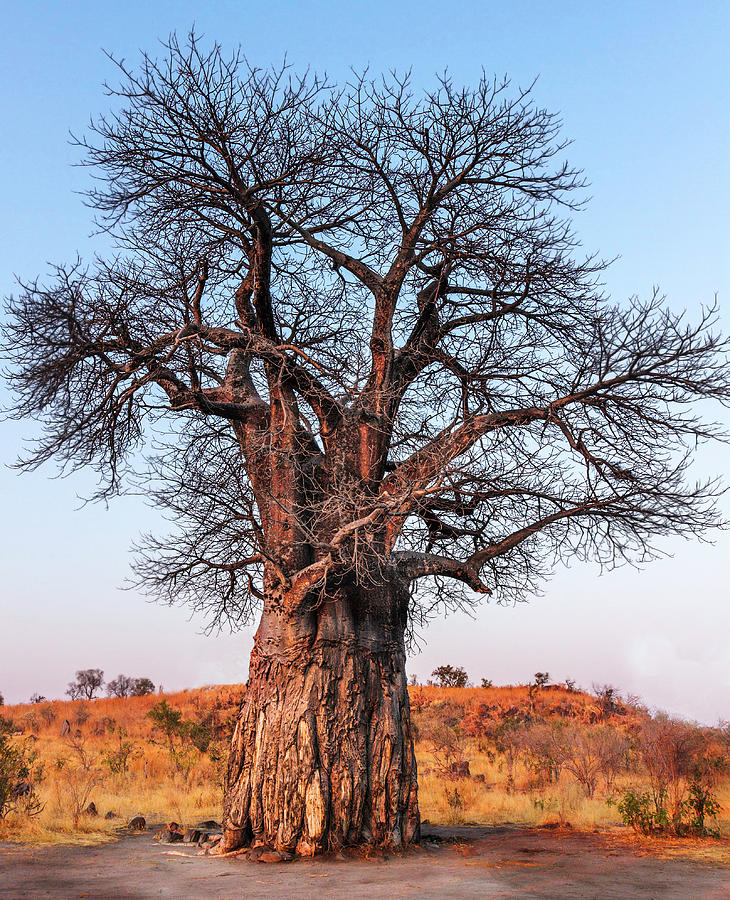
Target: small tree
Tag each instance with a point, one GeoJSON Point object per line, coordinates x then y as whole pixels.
{"type": "Point", "coordinates": [80, 774]}
{"type": "Point", "coordinates": [450, 676]}
{"type": "Point", "coordinates": [142, 687]}
{"type": "Point", "coordinates": [588, 753]}
{"type": "Point", "coordinates": [542, 679]}
{"type": "Point", "coordinates": [448, 749]}
{"type": "Point", "coordinates": [177, 735]}
{"type": "Point", "coordinates": [117, 760]}
{"type": "Point", "coordinates": [37, 698]}
{"type": "Point", "coordinates": [87, 683]}
{"type": "Point", "coordinates": [486, 682]}
{"type": "Point", "coordinates": [121, 686]}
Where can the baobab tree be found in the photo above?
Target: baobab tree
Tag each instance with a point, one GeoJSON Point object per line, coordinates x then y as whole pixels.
{"type": "Point", "coordinates": [374, 377]}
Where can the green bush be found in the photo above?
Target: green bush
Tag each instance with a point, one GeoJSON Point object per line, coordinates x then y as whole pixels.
{"type": "Point", "coordinates": [19, 774]}
{"type": "Point", "coordinates": [646, 813]}
{"type": "Point", "coordinates": [117, 760]}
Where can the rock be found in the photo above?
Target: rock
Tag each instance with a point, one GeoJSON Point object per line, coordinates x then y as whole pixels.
{"type": "Point", "coordinates": [138, 823]}
{"type": "Point", "coordinates": [91, 809]}
{"type": "Point", "coordinates": [267, 855]}
{"type": "Point", "coordinates": [174, 826]}
{"type": "Point", "coordinates": [203, 839]}
{"type": "Point", "coordinates": [112, 815]}
{"type": "Point", "coordinates": [209, 824]}
{"type": "Point", "coordinates": [171, 837]}
{"type": "Point", "coordinates": [191, 836]}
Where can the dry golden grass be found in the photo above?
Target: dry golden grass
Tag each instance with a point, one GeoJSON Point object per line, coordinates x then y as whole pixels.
{"type": "Point", "coordinates": [152, 787]}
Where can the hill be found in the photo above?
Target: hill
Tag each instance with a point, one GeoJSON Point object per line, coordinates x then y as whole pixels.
{"type": "Point", "coordinates": [517, 753]}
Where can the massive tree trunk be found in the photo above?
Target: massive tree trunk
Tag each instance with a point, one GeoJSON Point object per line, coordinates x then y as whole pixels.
{"type": "Point", "coordinates": [322, 755]}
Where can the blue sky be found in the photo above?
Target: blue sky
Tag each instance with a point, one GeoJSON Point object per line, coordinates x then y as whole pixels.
{"type": "Point", "coordinates": [643, 91]}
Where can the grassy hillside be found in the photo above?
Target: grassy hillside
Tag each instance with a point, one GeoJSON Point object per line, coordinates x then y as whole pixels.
{"type": "Point", "coordinates": [500, 754]}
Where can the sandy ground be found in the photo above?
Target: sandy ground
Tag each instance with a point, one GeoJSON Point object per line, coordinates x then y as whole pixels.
{"type": "Point", "coordinates": [472, 862]}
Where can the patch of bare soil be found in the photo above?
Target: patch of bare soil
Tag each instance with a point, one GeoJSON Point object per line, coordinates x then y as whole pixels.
{"type": "Point", "coordinates": [494, 863]}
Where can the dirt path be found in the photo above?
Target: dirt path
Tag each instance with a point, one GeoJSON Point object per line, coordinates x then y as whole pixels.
{"type": "Point", "coordinates": [489, 863]}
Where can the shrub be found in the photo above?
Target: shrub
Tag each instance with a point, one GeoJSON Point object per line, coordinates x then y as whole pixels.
{"type": "Point", "coordinates": [701, 805]}
{"type": "Point", "coordinates": [80, 774]}
{"type": "Point", "coordinates": [450, 676]}
{"type": "Point", "coordinates": [448, 748]}
{"type": "Point", "coordinates": [81, 714]}
{"type": "Point", "coordinates": [608, 698]}
{"type": "Point", "coordinates": [455, 802]}
{"type": "Point", "coordinates": [48, 714]}
{"type": "Point", "coordinates": [646, 813]}
{"type": "Point", "coordinates": [117, 760]}
{"type": "Point", "coordinates": [670, 751]}
{"type": "Point", "coordinates": [19, 774]}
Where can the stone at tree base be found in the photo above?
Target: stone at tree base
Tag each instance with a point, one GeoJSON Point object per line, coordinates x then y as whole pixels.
{"type": "Point", "coordinates": [209, 825]}
{"type": "Point", "coordinates": [138, 823]}
{"type": "Point", "coordinates": [171, 837]}
{"type": "Point", "coordinates": [172, 833]}
{"type": "Point", "coordinates": [212, 840]}
{"type": "Point", "coordinates": [191, 836]}
{"type": "Point", "coordinates": [274, 856]}
{"type": "Point", "coordinates": [265, 854]}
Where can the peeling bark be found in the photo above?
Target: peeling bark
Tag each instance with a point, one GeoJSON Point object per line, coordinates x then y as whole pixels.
{"type": "Point", "coordinates": [322, 755]}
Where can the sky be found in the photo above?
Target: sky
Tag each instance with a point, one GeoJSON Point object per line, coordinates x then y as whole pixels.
{"type": "Point", "coordinates": [642, 88]}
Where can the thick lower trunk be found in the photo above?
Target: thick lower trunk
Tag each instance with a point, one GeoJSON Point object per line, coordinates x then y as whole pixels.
{"type": "Point", "coordinates": [322, 755]}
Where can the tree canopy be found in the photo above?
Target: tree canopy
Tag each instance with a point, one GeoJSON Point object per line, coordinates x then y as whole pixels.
{"type": "Point", "coordinates": [350, 330]}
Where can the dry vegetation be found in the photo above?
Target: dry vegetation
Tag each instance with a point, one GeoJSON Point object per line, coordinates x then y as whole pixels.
{"type": "Point", "coordinates": [521, 754]}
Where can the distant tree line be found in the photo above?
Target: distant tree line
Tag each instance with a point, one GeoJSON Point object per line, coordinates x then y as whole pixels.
{"type": "Point", "coordinates": [89, 682]}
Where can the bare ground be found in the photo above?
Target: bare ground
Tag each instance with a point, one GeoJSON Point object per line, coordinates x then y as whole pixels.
{"type": "Point", "coordinates": [506, 862]}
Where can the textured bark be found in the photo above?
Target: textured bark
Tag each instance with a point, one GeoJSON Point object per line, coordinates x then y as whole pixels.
{"type": "Point", "coordinates": [322, 755]}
